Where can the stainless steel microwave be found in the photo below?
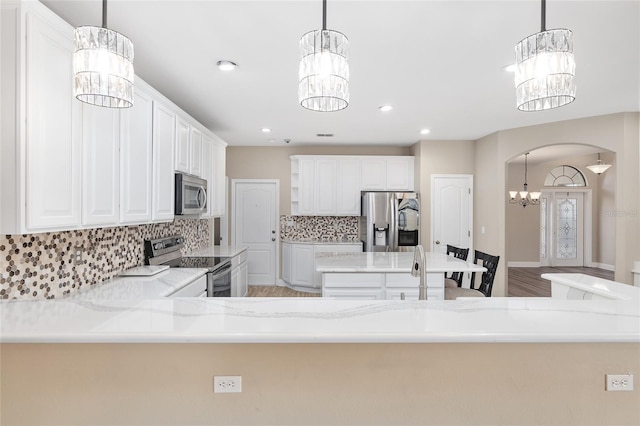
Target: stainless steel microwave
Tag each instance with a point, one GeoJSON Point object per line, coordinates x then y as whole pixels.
{"type": "Point", "coordinates": [191, 194]}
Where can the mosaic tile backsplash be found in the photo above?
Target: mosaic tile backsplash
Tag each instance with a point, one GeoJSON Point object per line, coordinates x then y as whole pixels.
{"type": "Point", "coordinates": [330, 228]}
{"type": "Point", "coordinates": [41, 265]}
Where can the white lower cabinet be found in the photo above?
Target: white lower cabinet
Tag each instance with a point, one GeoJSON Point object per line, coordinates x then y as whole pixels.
{"type": "Point", "coordinates": [389, 286]}
{"type": "Point", "coordinates": [299, 262]}
{"type": "Point", "coordinates": [239, 275]}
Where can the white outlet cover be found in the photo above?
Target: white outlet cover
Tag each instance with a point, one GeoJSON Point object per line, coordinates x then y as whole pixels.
{"type": "Point", "coordinates": [619, 382]}
{"type": "Point", "coordinates": [227, 384]}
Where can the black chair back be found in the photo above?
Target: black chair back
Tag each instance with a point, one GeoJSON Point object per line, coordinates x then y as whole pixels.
{"type": "Point", "coordinates": [486, 282]}
{"type": "Point", "coordinates": [459, 253]}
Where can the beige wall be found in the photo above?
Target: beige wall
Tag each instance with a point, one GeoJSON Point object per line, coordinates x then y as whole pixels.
{"type": "Point", "coordinates": [523, 224]}
{"type": "Point", "coordinates": [617, 133]}
{"type": "Point", "coordinates": [313, 384]}
{"type": "Point", "coordinates": [274, 163]}
{"type": "Point", "coordinates": [438, 157]}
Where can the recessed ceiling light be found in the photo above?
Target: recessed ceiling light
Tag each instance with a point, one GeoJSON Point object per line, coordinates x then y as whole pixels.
{"type": "Point", "coordinates": [425, 131]}
{"type": "Point", "coordinates": [227, 65]}
{"type": "Point", "coordinates": [385, 108]}
{"type": "Point", "coordinates": [266, 130]}
{"type": "Point", "coordinates": [510, 68]}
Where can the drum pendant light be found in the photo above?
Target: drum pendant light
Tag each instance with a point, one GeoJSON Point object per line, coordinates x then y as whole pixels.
{"type": "Point", "coordinates": [324, 69]}
{"type": "Point", "coordinates": [103, 66]}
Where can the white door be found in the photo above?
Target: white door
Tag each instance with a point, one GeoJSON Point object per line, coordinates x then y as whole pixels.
{"type": "Point", "coordinates": [562, 225]}
{"type": "Point", "coordinates": [255, 222]}
{"type": "Point", "coordinates": [451, 211]}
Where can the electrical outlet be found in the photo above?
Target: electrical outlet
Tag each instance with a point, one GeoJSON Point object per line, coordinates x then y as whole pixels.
{"type": "Point", "coordinates": [227, 384]}
{"type": "Point", "coordinates": [77, 255]}
{"type": "Point", "coordinates": [619, 382]}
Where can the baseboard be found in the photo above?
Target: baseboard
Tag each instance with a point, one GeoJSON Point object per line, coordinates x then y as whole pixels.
{"type": "Point", "coordinates": [523, 264]}
{"type": "Point", "coordinates": [604, 266]}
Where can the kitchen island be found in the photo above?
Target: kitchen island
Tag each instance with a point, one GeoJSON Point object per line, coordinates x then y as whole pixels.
{"type": "Point", "coordinates": [152, 360]}
{"type": "Point", "coordinates": [385, 275]}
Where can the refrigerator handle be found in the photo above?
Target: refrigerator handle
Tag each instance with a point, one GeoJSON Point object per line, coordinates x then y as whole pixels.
{"type": "Point", "coordinates": [393, 226]}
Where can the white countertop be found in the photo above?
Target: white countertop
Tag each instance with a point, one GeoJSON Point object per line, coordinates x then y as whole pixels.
{"type": "Point", "coordinates": [321, 241]}
{"type": "Point", "coordinates": [217, 251]}
{"type": "Point", "coordinates": [595, 285]}
{"type": "Point", "coordinates": [302, 320]}
{"type": "Point", "coordinates": [135, 288]}
{"type": "Point", "coordinates": [390, 262]}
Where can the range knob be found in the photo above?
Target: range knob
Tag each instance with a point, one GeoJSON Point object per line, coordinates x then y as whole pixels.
{"type": "Point", "coordinates": [157, 246]}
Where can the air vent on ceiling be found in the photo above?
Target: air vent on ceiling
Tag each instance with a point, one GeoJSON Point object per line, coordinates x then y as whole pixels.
{"type": "Point", "coordinates": [325, 135]}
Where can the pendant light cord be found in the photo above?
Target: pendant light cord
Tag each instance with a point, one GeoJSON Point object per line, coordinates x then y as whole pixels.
{"type": "Point", "coordinates": [324, 14]}
{"type": "Point", "coordinates": [543, 24]}
{"type": "Point", "coordinates": [104, 13]}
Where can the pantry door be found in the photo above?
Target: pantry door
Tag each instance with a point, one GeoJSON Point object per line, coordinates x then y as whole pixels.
{"type": "Point", "coordinates": [255, 225]}
{"type": "Point", "coordinates": [451, 212]}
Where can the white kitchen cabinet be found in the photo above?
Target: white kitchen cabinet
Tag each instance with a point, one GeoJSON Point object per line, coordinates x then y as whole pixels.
{"type": "Point", "coordinates": [40, 152]}
{"type": "Point", "coordinates": [286, 262]}
{"type": "Point", "coordinates": [330, 185]}
{"type": "Point", "coordinates": [302, 265]}
{"type": "Point", "coordinates": [348, 187]}
{"type": "Point", "coordinates": [374, 174]}
{"type": "Point", "coordinates": [325, 187]}
{"type": "Point", "coordinates": [387, 173]}
{"type": "Point", "coordinates": [299, 261]}
{"type": "Point", "coordinates": [164, 134]}
{"type": "Point", "coordinates": [213, 169]}
{"type": "Point", "coordinates": [195, 152]}
{"type": "Point", "coordinates": [136, 145]}
{"type": "Point", "coordinates": [353, 286]}
{"type": "Point", "coordinates": [183, 151]}
{"type": "Point", "coordinates": [101, 165]}
{"type": "Point", "coordinates": [239, 275]}
{"type": "Point", "coordinates": [400, 174]}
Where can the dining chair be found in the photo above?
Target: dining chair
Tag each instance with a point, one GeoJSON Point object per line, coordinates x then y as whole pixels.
{"type": "Point", "coordinates": [486, 281]}
{"type": "Point", "coordinates": [455, 280]}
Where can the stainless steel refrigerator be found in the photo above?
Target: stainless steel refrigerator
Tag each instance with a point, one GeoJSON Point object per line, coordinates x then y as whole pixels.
{"type": "Point", "coordinates": [390, 221]}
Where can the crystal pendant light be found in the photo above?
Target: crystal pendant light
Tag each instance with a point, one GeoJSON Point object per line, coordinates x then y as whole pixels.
{"type": "Point", "coordinates": [545, 69]}
{"type": "Point", "coordinates": [526, 197]}
{"type": "Point", "coordinates": [103, 66]}
{"type": "Point", "coordinates": [600, 167]}
{"type": "Point", "coordinates": [324, 69]}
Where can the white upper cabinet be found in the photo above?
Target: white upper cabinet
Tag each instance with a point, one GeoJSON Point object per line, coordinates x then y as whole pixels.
{"type": "Point", "coordinates": [348, 182]}
{"type": "Point", "coordinates": [400, 172]}
{"type": "Point", "coordinates": [374, 174]}
{"type": "Point", "coordinates": [183, 147]}
{"type": "Point", "coordinates": [217, 189]}
{"type": "Point", "coordinates": [195, 161]}
{"type": "Point", "coordinates": [164, 134]}
{"type": "Point", "coordinates": [40, 152]}
{"type": "Point", "coordinates": [330, 185]}
{"type": "Point", "coordinates": [136, 144]}
{"type": "Point", "coordinates": [325, 186]}
{"type": "Point", "coordinates": [101, 165]}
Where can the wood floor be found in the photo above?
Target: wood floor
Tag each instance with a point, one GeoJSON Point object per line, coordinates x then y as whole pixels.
{"type": "Point", "coordinates": [276, 291]}
{"type": "Point", "coordinates": [523, 282]}
{"type": "Point", "coordinates": [526, 282]}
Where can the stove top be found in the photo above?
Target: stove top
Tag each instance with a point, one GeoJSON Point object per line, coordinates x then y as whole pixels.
{"type": "Point", "coordinates": [167, 251]}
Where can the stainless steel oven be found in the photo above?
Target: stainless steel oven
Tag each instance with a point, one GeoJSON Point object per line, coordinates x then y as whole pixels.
{"type": "Point", "coordinates": [167, 251]}
{"type": "Point", "coordinates": [191, 195]}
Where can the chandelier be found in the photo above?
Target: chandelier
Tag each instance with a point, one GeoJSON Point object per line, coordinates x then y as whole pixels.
{"type": "Point", "coordinates": [103, 66]}
{"type": "Point", "coordinates": [324, 69]}
{"type": "Point", "coordinates": [545, 69]}
{"type": "Point", "coordinates": [600, 167]}
{"type": "Point", "coordinates": [526, 197]}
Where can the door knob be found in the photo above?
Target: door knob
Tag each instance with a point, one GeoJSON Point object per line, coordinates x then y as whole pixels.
{"type": "Point", "coordinates": [437, 241]}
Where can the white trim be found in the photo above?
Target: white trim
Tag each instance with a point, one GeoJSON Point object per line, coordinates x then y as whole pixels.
{"type": "Point", "coordinates": [604, 266]}
{"type": "Point", "coordinates": [523, 264]}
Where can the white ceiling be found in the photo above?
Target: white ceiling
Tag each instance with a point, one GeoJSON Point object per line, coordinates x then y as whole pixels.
{"type": "Point", "coordinates": [438, 63]}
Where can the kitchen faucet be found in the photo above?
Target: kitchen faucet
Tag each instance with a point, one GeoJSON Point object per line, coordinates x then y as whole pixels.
{"type": "Point", "coordinates": [419, 270]}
